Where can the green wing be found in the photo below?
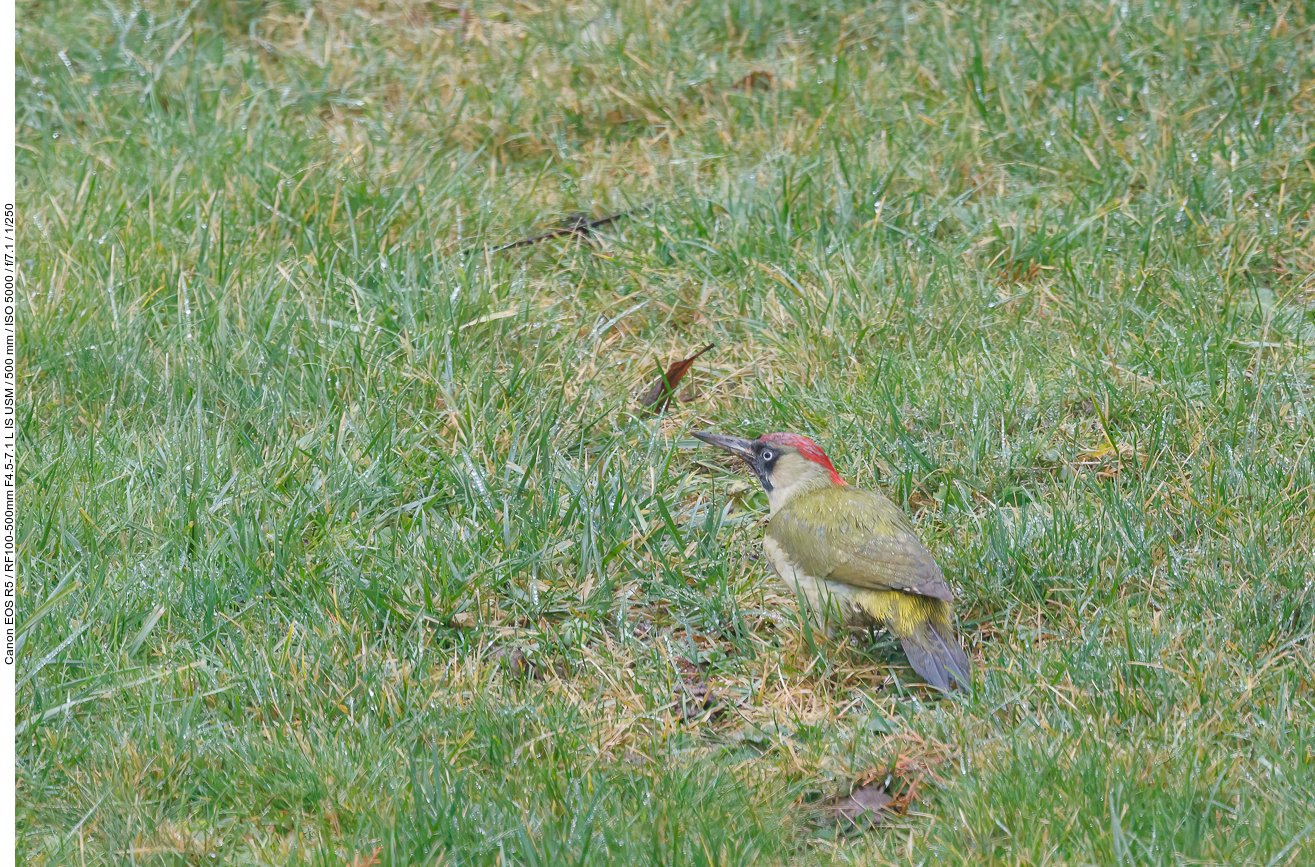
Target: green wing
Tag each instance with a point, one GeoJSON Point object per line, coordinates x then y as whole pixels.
{"type": "Point", "coordinates": [858, 538]}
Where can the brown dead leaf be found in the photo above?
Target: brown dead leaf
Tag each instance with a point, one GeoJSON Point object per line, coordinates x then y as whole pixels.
{"type": "Point", "coordinates": [757, 80]}
{"type": "Point", "coordinates": [882, 793]}
{"type": "Point", "coordinates": [864, 807]}
{"type": "Point", "coordinates": [514, 660]}
{"type": "Point", "coordinates": [919, 500]}
{"type": "Point", "coordinates": [462, 620]}
{"type": "Point", "coordinates": [371, 860]}
{"type": "Point", "coordinates": [693, 697]}
{"type": "Point", "coordinates": [656, 398]}
{"type": "Point", "coordinates": [1019, 273]}
{"type": "Point", "coordinates": [913, 772]}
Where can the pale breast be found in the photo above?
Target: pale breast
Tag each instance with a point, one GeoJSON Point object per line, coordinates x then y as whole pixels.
{"type": "Point", "coordinates": [824, 602]}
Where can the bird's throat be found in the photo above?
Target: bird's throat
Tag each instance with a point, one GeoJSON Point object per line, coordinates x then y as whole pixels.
{"type": "Point", "coordinates": [778, 494]}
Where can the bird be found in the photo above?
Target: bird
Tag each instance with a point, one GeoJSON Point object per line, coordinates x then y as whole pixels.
{"type": "Point", "coordinates": [851, 556]}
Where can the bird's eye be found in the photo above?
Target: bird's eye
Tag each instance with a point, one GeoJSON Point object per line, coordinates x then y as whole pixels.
{"type": "Point", "coordinates": [767, 455]}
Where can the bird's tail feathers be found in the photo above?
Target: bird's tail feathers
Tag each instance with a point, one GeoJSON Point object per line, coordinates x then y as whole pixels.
{"type": "Point", "coordinates": [935, 654]}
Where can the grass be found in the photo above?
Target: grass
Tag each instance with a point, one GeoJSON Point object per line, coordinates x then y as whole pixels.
{"type": "Point", "coordinates": [343, 540]}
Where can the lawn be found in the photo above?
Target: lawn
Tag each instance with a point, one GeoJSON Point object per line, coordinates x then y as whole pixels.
{"type": "Point", "coordinates": [345, 539]}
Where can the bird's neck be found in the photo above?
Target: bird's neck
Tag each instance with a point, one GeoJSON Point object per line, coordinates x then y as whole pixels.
{"type": "Point", "coordinates": [781, 494]}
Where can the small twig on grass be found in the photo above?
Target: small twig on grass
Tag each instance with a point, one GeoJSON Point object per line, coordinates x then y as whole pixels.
{"type": "Point", "coordinates": [578, 225]}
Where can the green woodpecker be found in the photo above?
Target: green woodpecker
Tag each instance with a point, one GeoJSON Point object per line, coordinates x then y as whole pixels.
{"type": "Point", "coordinates": [851, 556]}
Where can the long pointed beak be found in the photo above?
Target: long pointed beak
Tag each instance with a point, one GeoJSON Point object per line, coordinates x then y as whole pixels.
{"type": "Point", "coordinates": [741, 448]}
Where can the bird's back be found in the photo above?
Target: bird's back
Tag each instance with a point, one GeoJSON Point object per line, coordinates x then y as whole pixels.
{"type": "Point", "coordinates": [858, 538]}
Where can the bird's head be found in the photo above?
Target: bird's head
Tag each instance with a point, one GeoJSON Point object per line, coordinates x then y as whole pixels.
{"type": "Point", "coordinates": [787, 464]}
